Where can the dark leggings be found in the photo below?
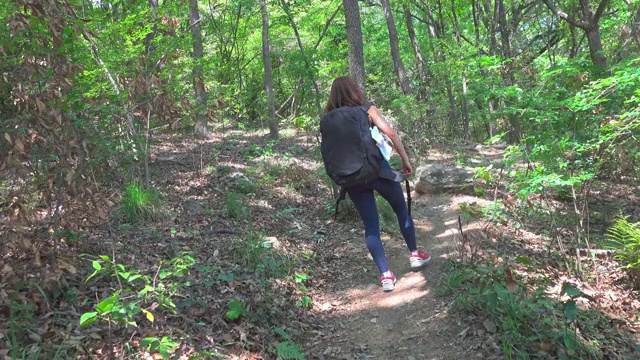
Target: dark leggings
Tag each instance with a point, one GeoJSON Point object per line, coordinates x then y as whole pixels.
{"type": "Point", "coordinates": [364, 201]}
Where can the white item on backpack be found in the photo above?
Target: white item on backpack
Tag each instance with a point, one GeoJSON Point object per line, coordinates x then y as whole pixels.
{"type": "Point", "coordinates": [383, 142]}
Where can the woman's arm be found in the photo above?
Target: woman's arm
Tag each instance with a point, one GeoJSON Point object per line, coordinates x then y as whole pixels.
{"type": "Point", "coordinates": [383, 126]}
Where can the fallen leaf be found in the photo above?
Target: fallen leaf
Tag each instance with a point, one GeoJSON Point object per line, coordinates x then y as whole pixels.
{"type": "Point", "coordinates": [63, 265]}
{"type": "Point", "coordinates": [19, 146]}
{"type": "Point", "coordinates": [546, 347]}
{"type": "Point", "coordinates": [374, 320]}
{"type": "Point", "coordinates": [6, 269]}
{"type": "Point", "coordinates": [512, 284]}
{"type": "Point", "coordinates": [326, 307]}
{"type": "Point", "coordinates": [41, 106]}
{"type": "Point", "coordinates": [35, 337]}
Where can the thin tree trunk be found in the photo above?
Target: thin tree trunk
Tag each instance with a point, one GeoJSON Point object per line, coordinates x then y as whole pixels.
{"type": "Point", "coordinates": [354, 36]}
{"type": "Point", "coordinates": [635, 31]}
{"type": "Point", "coordinates": [307, 62]}
{"type": "Point", "coordinates": [436, 30]}
{"type": "Point", "coordinates": [268, 78]}
{"type": "Point", "coordinates": [202, 122]}
{"type": "Point", "coordinates": [395, 51]}
{"type": "Point", "coordinates": [416, 46]}
{"type": "Point", "coordinates": [505, 36]}
{"type": "Point", "coordinates": [463, 100]}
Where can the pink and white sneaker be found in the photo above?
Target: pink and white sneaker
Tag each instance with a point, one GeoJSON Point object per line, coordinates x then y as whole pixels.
{"type": "Point", "coordinates": [420, 259]}
{"type": "Point", "coordinates": [388, 282]}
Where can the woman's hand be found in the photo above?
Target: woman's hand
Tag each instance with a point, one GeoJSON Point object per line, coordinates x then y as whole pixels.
{"type": "Point", "coordinates": [407, 170]}
{"type": "Point", "coordinates": [383, 126]}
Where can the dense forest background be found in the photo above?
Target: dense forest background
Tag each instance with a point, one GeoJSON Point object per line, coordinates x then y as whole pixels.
{"type": "Point", "coordinates": [85, 85]}
{"type": "Point", "coordinates": [89, 88]}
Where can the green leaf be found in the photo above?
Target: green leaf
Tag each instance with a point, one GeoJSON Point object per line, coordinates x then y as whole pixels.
{"type": "Point", "coordinates": [149, 341]}
{"type": "Point", "coordinates": [236, 309]}
{"type": "Point", "coordinates": [96, 265]}
{"type": "Point", "coordinates": [572, 291]}
{"type": "Point", "coordinates": [146, 289]}
{"type": "Point", "coordinates": [571, 310]}
{"type": "Point", "coordinates": [226, 276]}
{"type": "Point", "coordinates": [523, 260]}
{"type": "Point", "coordinates": [88, 318]}
{"type": "Point", "coordinates": [106, 305]}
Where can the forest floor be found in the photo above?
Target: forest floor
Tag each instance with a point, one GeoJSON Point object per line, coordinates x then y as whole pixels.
{"type": "Point", "coordinates": [245, 248]}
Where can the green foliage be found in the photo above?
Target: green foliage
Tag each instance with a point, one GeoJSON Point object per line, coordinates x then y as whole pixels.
{"type": "Point", "coordinates": [301, 280]}
{"type": "Point", "coordinates": [624, 238]}
{"type": "Point", "coordinates": [237, 308]}
{"type": "Point", "coordinates": [285, 212]}
{"type": "Point", "coordinates": [258, 256]}
{"type": "Point", "coordinates": [521, 319]}
{"type": "Point", "coordinates": [287, 349]}
{"type": "Point", "coordinates": [164, 346]}
{"type": "Point", "coordinates": [20, 323]}
{"type": "Point", "coordinates": [70, 237]}
{"type": "Point", "coordinates": [139, 204]}
{"type": "Point", "coordinates": [137, 291]}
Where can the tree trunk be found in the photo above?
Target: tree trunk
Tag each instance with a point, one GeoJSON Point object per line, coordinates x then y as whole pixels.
{"type": "Point", "coordinates": [505, 36]}
{"type": "Point", "coordinates": [268, 81]}
{"type": "Point", "coordinates": [463, 100]}
{"type": "Point", "coordinates": [395, 51]}
{"type": "Point", "coordinates": [202, 122]}
{"type": "Point", "coordinates": [354, 36]}
{"type": "Point", "coordinates": [416, 47]}
{"type": "Point", "coordinates": [595, 47]}
{"type": "Point", "coordinates": [589, 24]}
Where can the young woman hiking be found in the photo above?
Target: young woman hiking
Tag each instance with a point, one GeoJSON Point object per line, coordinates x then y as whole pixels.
{"type": "Point", "coordinates": [345, 92]}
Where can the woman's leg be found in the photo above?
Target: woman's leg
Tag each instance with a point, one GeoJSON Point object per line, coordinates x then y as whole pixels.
{"type": "Point", "coordinates": [392, 192]}
{"type": "Point", "coordinates": [366, 205]}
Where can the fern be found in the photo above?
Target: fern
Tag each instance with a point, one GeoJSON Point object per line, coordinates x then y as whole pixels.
{"type": "Point", "coordinates": [625, 240]}
{"type": "Point", "coordinates": [287, 350]}
{"type": "Point", "coordinates": [280, 331]}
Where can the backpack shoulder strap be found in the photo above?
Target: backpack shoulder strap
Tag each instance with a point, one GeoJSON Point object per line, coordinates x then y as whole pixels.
{"type": "Point", "coordinates": [406, 183]}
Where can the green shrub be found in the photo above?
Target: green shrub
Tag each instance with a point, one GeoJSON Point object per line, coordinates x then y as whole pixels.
{"type": "Point", "coordinates": [520, 318]}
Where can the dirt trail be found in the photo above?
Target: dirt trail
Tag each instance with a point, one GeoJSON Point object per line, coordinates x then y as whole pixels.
{"type": "Point", "coordinates": [412, 322]}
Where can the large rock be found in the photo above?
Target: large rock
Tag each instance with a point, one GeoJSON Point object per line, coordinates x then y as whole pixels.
{"type": "Point", "coordinates": [439, 178]}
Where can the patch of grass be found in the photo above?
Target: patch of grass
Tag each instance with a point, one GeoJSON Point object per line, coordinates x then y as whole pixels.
{"type": "Point", "coordinates": [245, 185]}
{"type": "Point", "coordinates": [139, 204]}
{"type": "Point", "coordinates": [259, 257]}
{"type": "Point", "coordinates": [236, 206]}
{"type": "Point", "coordinates": [274, 169]}
{"type": "Point", "coordinates": [224, 169]}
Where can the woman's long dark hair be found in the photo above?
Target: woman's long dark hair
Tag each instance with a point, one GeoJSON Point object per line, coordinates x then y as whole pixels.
{"type": "Point", "coordinates": [344, 92]}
